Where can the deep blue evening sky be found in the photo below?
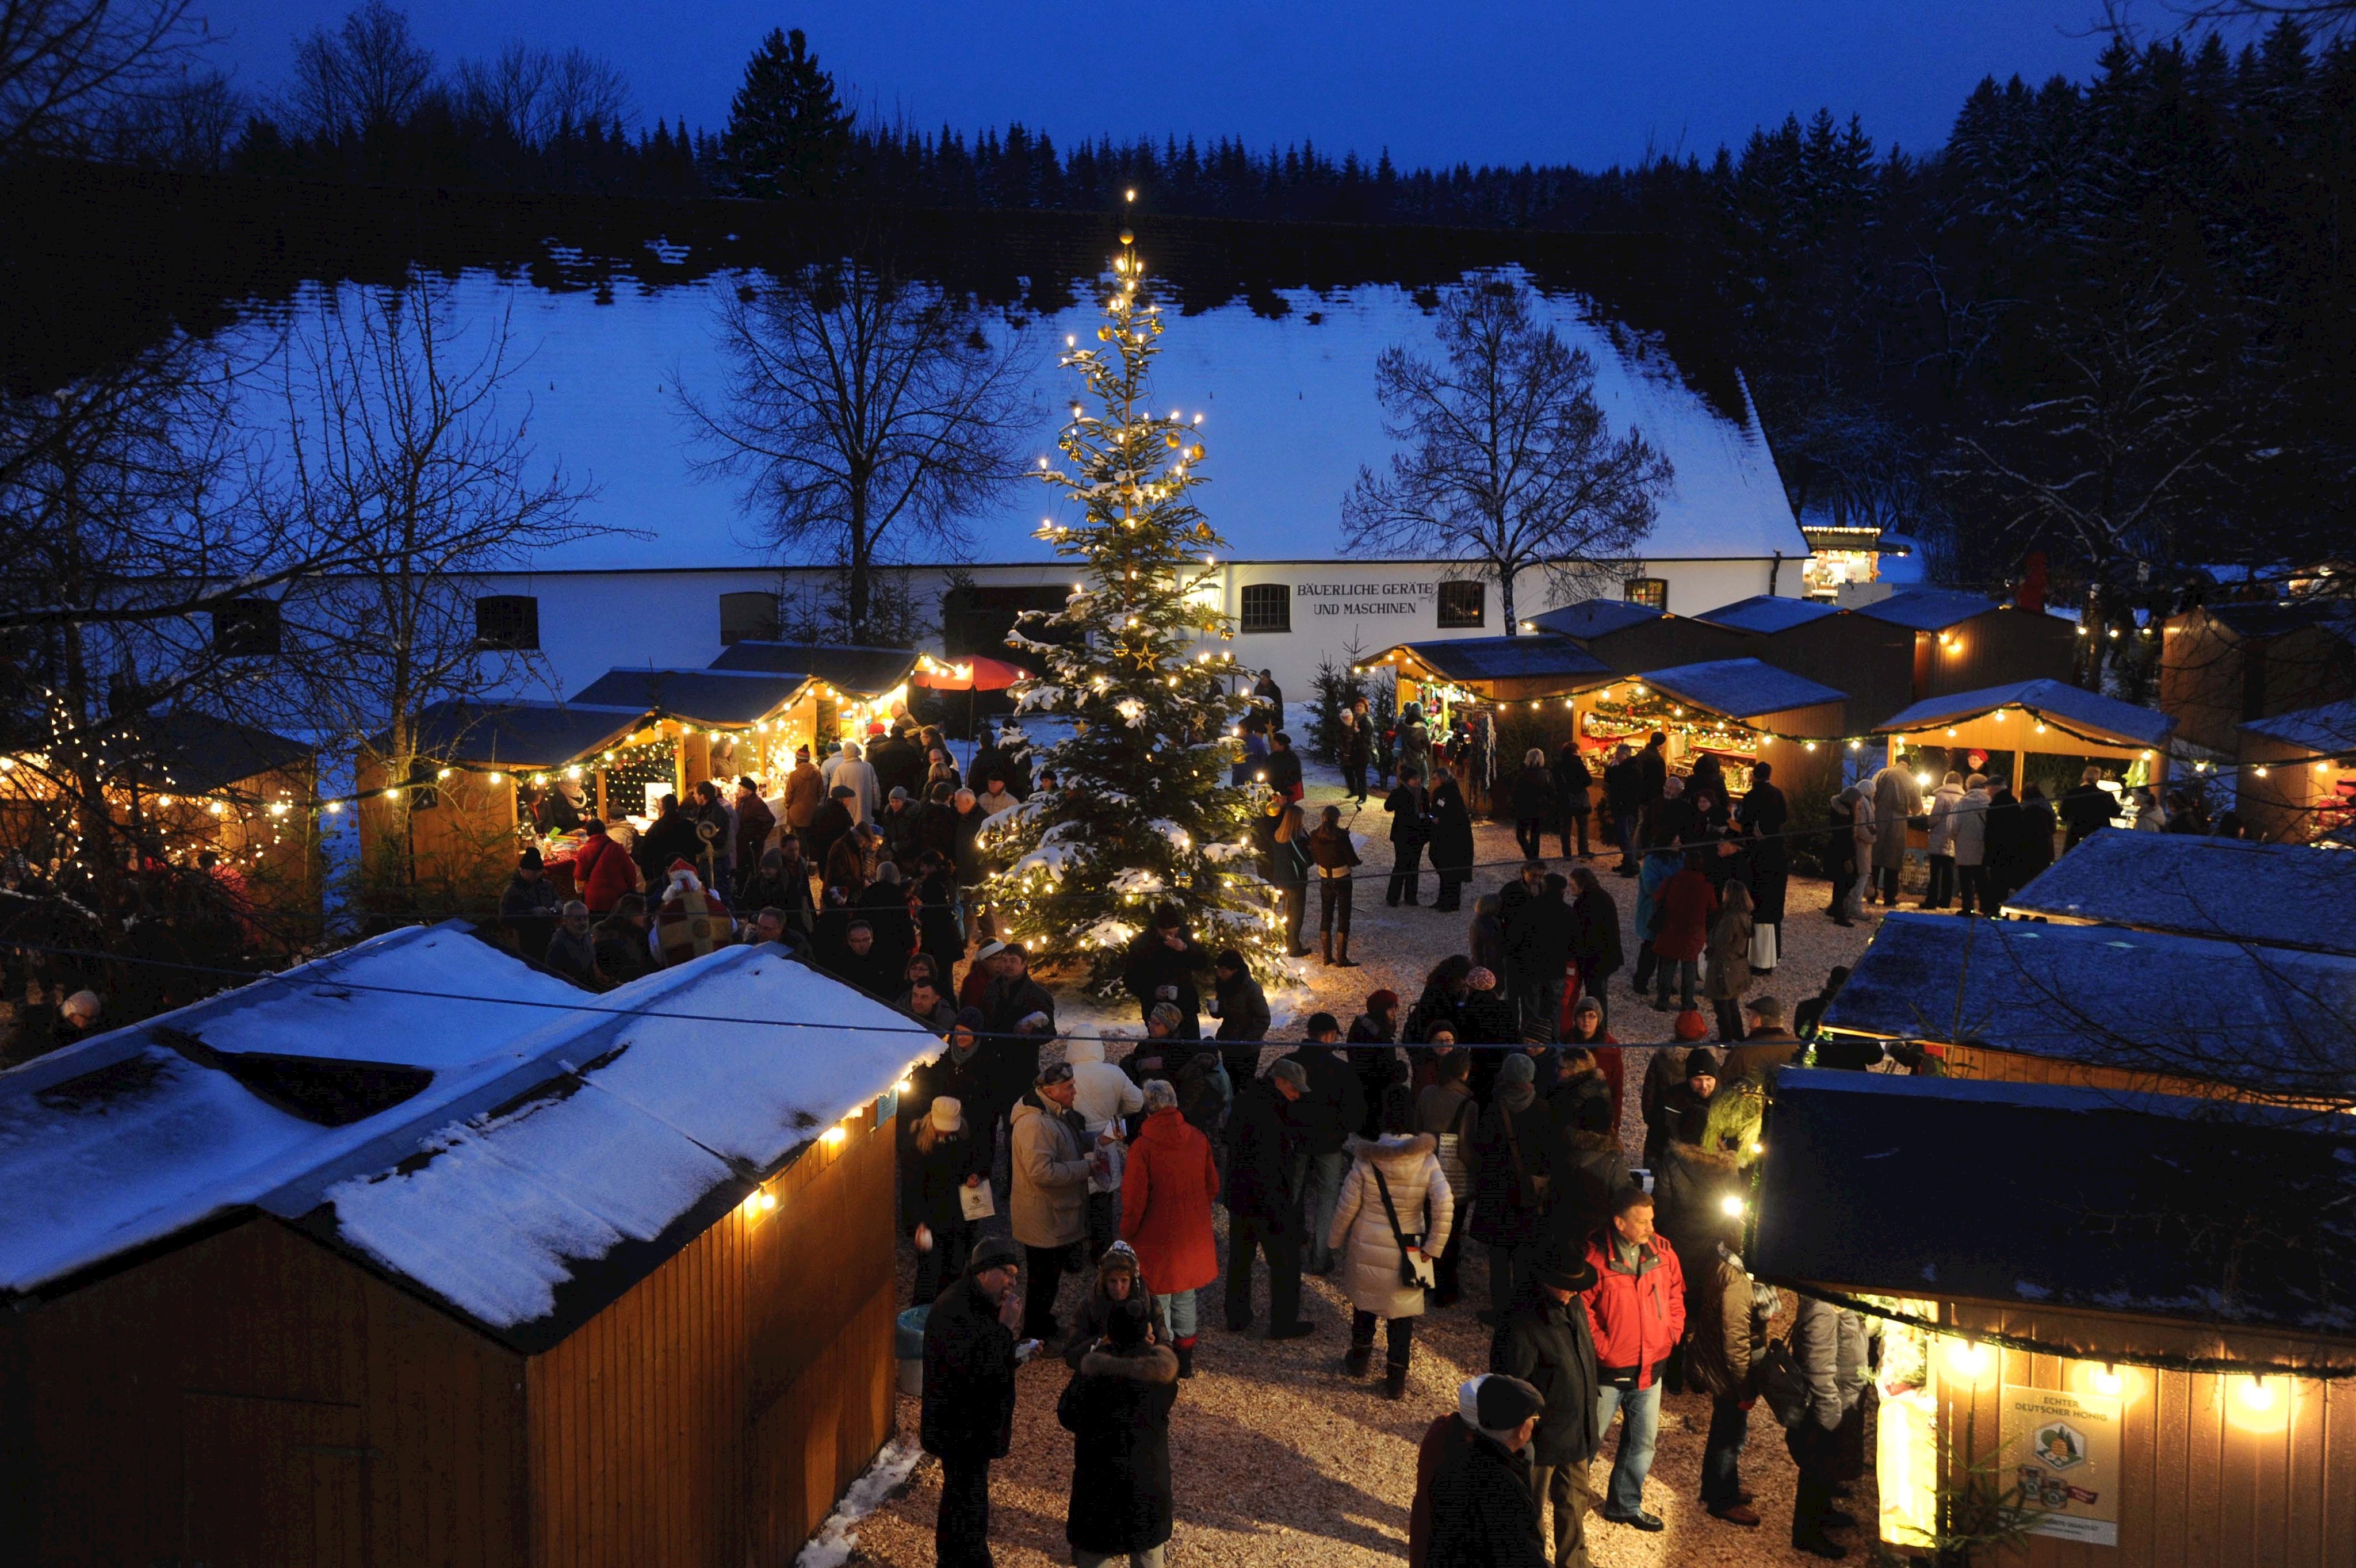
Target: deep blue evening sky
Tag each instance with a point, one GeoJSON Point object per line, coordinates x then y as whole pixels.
{"type": "Point", "coordinates": [1577, 81]}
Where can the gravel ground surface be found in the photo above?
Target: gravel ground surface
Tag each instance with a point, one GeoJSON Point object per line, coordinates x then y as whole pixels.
{"type": "Point", "coordinates": [1277, 1458]}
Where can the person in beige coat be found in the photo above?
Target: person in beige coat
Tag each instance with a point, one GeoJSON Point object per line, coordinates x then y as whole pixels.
{"type": "Point", "coordinates": [1053, 1158]}
{"type": "Point", "coordinates": [1407, 1165]}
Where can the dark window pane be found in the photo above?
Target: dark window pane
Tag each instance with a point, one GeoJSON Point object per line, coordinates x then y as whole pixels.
{"type": "Point", "coordinates": [244, 628]}
{"type": "Point", "coordinates": [1268, 606]}
{"type": "Point", "coordinates": [507, 623]}
{"type": "Point", "coordinates": [748, 618]}
{"type": "Point", "coordinates": [1463, 605]}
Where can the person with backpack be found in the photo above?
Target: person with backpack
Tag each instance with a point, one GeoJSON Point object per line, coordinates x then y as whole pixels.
{"type": "Point", "coordinates": [1726, 1328]}
{"type": "Point", "coordinates": [1390, 1224]}
{"type": "Point", "coordinates": [1546, 1342]}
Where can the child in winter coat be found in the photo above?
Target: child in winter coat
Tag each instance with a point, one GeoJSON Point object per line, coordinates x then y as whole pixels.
{"type": "Point", "coordinates": [1382, 1238]}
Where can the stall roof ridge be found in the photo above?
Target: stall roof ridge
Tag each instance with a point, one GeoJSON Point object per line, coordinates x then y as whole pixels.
{"type": "Point", "coordinates": [1531, 655]}
{"type": "Point", "coordinates": [1596, 617]}
{"type": "Point", "coordinates": [848, 667]}
{"type": "Point", "coordinates": [519, 732]}
{"type": "Point", "coordinates": [2051, 699]}
{"type": "Point", "coordinates": [2190, 884]}
{"type": "Point", "coordinates": [1928, 608]}
{"type": "Point", "coordinates": [1850, 1155]}
{"type": "Point", "coordinates": [1741, 688]}
{"type": "Point", "coordinates": [204, 752]}
{"type": "Point", "coordinates": [2326, 727]}
{"type": "Point", "coordinates": [712, 696]}
{"type": "Point", "coordinates": [1767, 614]}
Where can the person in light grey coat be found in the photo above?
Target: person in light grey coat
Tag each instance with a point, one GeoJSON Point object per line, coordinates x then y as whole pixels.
{"type": "Point", "coordinates": [1970, 816]}
{"type": "Point", "coordinates": [1897, 795]}
{"type": "Point", "coordinates": [1834, 1349]}
{"type": "Point", "coordinates": [1053, 1158]}
{"type": "Point", "coordinates": [858, 774]}
{"type": "Point", "coordinates": [1945, 801]}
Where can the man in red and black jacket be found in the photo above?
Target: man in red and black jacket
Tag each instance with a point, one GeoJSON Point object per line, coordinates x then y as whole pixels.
{"type": "Point", "coordinates": [1636, 1309]}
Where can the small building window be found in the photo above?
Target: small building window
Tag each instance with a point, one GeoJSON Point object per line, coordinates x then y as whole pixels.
{"type": "Point", "coordinates": [246, 627]}
{"type": "Point", "coordinates": [507, 623]}
{"type": "Point", "coordinates": [1463, 605]}
{"type": "Point", "coordinates": [748, 618]}
{"type": "Point", "coordinates": [1649, 591]}
{"type": "Point", "coordinates": [1268, 606]}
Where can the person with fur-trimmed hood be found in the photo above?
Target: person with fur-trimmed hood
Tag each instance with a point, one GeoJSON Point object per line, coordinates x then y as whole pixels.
{"type": "Point", "coordinates": [1396, 1208]}
{"type": "Point", "coordinates": [1120, 1278]}
{"type": "Point", "coordinates": [1117, 1408]}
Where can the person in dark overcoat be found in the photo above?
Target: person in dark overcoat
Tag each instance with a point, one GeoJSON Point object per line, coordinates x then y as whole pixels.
{"type": "Point", "coordinates": [1764, 816]}
{"type": "Point", "coordinates": [967, 1418]}
{"type": "Point", "coordinates": [1545, 1341]}
{"type": "Point", "coordinates": [1117, 1408]}
{"type": "Point", "coordinates": [1409, 805]}
{"type": "Point", "coordinates": [1479, 1503]}
{"type": "Point", "coordinates": [1509, 1164]}
{"type": "Point", "coordinates": [1162, 965]}
{"type": "Point", "coordinates": [1573, 796]}
{"type": "Point", "coordinates": [1264, 1200]}
{"type": "Point", "coordinates": [940, 1158]}
{"type": "Point", "coordinates": [1451, 842]}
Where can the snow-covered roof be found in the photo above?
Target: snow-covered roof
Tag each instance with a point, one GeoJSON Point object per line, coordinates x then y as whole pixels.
{"type": "Point", "coordinates": [707, 696]}
{"type": "Point", "coordinates": [196, 753]}
{"type": "Point", "coordinates": [2262, 893]}
{"type": "Point", "coordinates": [521, 733]}
{"type": "Point", "coordinates": [2141, 1001]}
{"type": "Point", "coordinates": [2057, 703]}
{"type": "Point", "coordinates": [862, 671]}
{"type": "Point", "coordinates": [1740, 688]}
{"type": "Point", "coordinates": [1768, 614]}
{"type": "Point", "coordinates": [492, 1138]}
{"type": "Point", "coordinates": [2325, 730]}
{"type": "Point", "coordinates": [1595, 617]}
{"type": "Point", "coordinates": [2079, 1198]}
{"type": "Point", "coordinates": [124, 1139]}
{"type": "Point", "coordinates": [1528, 657]}
{"type": "Point", "coordinates": [1927, 609]}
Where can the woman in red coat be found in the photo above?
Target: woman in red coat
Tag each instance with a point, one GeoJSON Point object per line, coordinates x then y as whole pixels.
{"type": "Point", "coordinates": [602, 870]}
{"type": "Point", "coordinates": [1165, 1213]}
{"type": "Point", "coordinates": [1687, 904]}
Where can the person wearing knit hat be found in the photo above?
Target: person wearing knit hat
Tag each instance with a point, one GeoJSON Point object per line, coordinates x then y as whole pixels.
{"type": "Point", "coordinates": [1374, 1056]}
{"type": "Point", "coordinates": [968, 1415]}
{"type": "Point", "coordinates": [1509, 1172]}
{"type": "Point", "coordinates": [1479, 1504]}
{"type": "Point", "coordinates": [1325, 1119]}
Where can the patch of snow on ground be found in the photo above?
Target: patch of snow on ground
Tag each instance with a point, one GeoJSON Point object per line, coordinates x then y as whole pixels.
{"type": "Point", "coordinates": [839, 1536]}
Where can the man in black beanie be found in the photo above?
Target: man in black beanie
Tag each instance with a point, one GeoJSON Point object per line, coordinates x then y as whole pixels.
{"type": "Point", "coordinates": [968, 1418]}
{"type": "Point", "coordinates": [1481, 1511]}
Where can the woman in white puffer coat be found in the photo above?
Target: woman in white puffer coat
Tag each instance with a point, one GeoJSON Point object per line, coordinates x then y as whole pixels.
{"type": "Point", "coordinates": [1372, 1277]}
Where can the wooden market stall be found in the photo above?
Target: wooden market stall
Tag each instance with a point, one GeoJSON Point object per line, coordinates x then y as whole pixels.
{"type": "Point", "coordinates": [2296, 782]}
{"type": "Point", "coordinates": [851, 687]}
{"type": "Point", "coordinates": [1632, 638]}
{"type": "Point", "coordinates": [2127, 1317]}
{"type": "Point", "coordinates": [721, 723]}
{"type": "Point", "coordinates": [2226, 664]}
{"type": "Point", "coordinates": [1743, 711]}
{"type": "Point", "coordinates": [1546, 679]}
{"type": "Point", "coordinates": [2262, 894]}
{"type": "Point", "coordinates": [1964, 642]}
{"type": "Point", "coordinates": [2033, 732]}
{"type": "Point", "coordinates": [1871, 660]}
{"type": "Point", "coordinates": [2104, 1007]}
{"type": "Point", "coordinates": [401, 1260]}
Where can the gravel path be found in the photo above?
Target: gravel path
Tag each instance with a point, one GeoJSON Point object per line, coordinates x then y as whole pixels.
{"type": "Point", "coordinates": [1277, 1458]}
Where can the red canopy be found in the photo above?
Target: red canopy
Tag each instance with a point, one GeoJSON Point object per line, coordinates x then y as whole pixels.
{"type": "Point", "coordinates": [969, 674]}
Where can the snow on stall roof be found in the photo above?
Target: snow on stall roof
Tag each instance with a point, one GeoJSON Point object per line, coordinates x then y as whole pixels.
{"type": "Point", "coordinates": [521, 733]}
{"type": "Point", "coordinates": [2142, 1000]}
{"type": "Point", "coordinates": [1509, 658]}
{"type": "Point", "coordinates": [2132, 1203]}
{"type": "Point", "coordinates": [862, 671]}
{"type": "Point", "coordinates": [2227, 888]}
{"type": "Point", "coordinates": [1595, 617]}
{"type": "Point", "coordinates": [1927, 609]}
{"type": "Point", "coordinates": [2104, 717]}
{"type": "Point", "coordinates": [1768, 614]}
{"type": "Point", "coordinates": [644, 1130]}
{"type": "Point", "coordinates": [2326, 729]}
{"type": "Point", "coordinates": [714, 696]}
{"type": "Point", "coordinates": [123, 1140]}
{"type": "Point", "coordinates": [1741, 688]}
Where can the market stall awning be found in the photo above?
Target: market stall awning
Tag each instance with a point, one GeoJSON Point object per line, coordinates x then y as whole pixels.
{"type": "Point", "coordinates": [194, 753]}
{"type": "Point", "coordinates": [1470, 660]}
{"type": "Point", "coordinates": [2225, 888]}
{"type": "Point", "coordinates": [2088, 714]}
{"type": "Point", "coordinates": [704, 696]}
{"type": "Point", "coordinates": [2077, 1198]}
{"type": "Point", "coordinates": [865, 672]}
{"type": "Point", "coordinates": [518, 734]}
{"type": "Point", "coordinates": [1741, 689]}
{"type": "Point", "coordinates": [1595, 617]}
{"type": "Point", "coordinates": [1767, 614]}
{"type": "Point", "coordinates": [2140, 1002]}
{"type": "Point", "coordinates": [2326, 731]}
{"type": "Point", "coordinates": [1927, 609]}
{"type": "Point", "coordinates": [970, 673]}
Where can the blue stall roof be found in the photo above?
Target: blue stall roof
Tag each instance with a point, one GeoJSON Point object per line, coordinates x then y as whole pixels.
{"type": "Point", "coordinates": [2326, 731]}
{"type": "Point", "coordinates": [1596, 617]}
{"type": "Point", "coordinates": [2078, 1199]}
{"type": "Point", "coordinates": [2268, 894]}
{"type": "Point", "coordinates": [2056, 701]}
{"type": "Point", "coordinates": [196, 753]}
{"type": "Point", "coordinates": [1740, 688]}
{"type": "Point", "coordinates": [862, 671]}
{"type": "Point", "coordinates": [521, 734]}
{"type": "Point", "coordinates": [2262, 1018]}
{"type": "Point", "coordinates": [1529, 657]}
{"type": "Point", "coordinates": [709, 696]}
{"type": "Point", "coordinates": [1768, 613]}
{"type": "Point", "coordinates": [1927, 609]}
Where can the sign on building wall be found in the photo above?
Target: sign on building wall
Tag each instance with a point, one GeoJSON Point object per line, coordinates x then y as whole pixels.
{"type": "Point", "coordinates": [1392, 598]}
{"type": "Point", "coordinates": [2064, 1450]}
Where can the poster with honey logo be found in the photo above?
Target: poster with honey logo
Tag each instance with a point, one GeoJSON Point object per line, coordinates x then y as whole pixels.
{"type": "Point", "coordinates": [2063, 1449]}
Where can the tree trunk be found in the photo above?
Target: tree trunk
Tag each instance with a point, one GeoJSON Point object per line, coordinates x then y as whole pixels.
{"type": "Point", "coordinates": [1505, 576]}
{"type": "Point", "coordinates": [855, 586]}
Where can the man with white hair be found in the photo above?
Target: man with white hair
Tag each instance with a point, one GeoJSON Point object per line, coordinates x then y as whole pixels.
{"type": "Point", "coordinates": [856, 772]}
{"type": "Point", "coordinates": [1103, 1094]}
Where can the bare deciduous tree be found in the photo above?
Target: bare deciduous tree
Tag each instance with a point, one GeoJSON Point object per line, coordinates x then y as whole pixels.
{"type": "Point", "coordinates": [534, 94]}
{"type": "Point", "coordinates": [65, 65]}
{"type": "Point", "coordinates": [367, 76]}
{"type": "Point", "coordinates": [862, 410]}
{"type": "Point", "coordinates": [1511, 462]}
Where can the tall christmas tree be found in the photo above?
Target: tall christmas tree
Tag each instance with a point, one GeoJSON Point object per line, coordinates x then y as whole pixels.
{"type": "Point", "coordinates": [1142, 813]}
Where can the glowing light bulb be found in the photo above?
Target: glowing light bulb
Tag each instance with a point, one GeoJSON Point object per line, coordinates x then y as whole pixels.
{"type": "Point", "coordinates": [2258, 1394]}
{"type": "Point", "coordinates": [835, 1135]}
{"type": "Point", "coordinates": [1967, 1360]}
{"type": "Point", "coordinates": [1731, 1206]}
{"type": "Point", "coordinates": [2108, 1381]}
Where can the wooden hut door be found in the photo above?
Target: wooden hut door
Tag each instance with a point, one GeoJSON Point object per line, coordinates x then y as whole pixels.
{"type": "Point", "coordinates": [266, 1483]}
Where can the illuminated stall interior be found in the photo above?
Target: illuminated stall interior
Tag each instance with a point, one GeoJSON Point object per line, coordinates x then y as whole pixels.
{"type": "Point", "coordinates": [2297, 774]}
{"type": "Point", "coordinates": [2130, 1321]}
{"type": "Point", "coordinates": [1539, 676]}
{"type": "Point", "coordinates": [2034, 731]}
{"type": "Point", "coordinates": [851, 688]}
{"type": "Point", "coordinates": [705, 723]}
{"type": "Point", "coordinates": [1842, 555]}
{"type": "Point", "coordinates": [1741, 710]}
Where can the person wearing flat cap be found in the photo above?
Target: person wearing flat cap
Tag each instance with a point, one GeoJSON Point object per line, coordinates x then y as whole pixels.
{"type": "Point", "coordinates": [968, 1418]}
{"type": "Point", "coordinates": [1545, 1341]}
{"type": "Point", "coordinates": [1478, 1498]}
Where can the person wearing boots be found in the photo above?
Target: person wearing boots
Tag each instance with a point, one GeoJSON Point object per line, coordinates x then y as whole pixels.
{"type": "Point", "coordinates": [1726, 1313]}
{"type": "Point", "coordinates": [1336, 860]}
{"type": "Point", "coordinates": [1830, 1347]}
{"type": "Point", "coordinates": [1264, 1200]}
{"type": "Point", "coordinates": [1509, 1164]}
{"type": "Point", "coordinates": [1637, 1311]}
{"type": "Point", "coordinates": [1165, 1214]}
{"type": "Point", "coordinates": [1545, 1341]}
{"type": "Point", "coordinates": [1391, 1225]}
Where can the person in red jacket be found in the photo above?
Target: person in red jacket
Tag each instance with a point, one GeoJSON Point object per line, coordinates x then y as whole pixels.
{"type": "Point", "coordinates": [1165, 1213]}
{"type": "Point", "coordinates": [1637, 1311]}
{"type": "Point", "coordinates": [602, 870]}
{"type": "Point", "coordinates": [1681, 930]}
